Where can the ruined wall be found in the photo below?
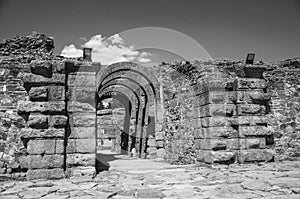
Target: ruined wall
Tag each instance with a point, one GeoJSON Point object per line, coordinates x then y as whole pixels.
{"type": "Point", "coordinates": [179, 125]}
{"type": "Point", "coordinates": [284, 86]}
{"type": "Point", "coordinates": [223, 114]}
{"type": "Point", "coordinates": [11, 91]}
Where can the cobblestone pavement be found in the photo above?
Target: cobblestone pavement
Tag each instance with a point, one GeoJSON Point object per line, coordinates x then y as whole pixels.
{"type": "Point", "coordinates": [149, 179]}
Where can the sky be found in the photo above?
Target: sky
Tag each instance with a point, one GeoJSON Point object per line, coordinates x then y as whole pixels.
{"type": "Point", "coordinates": [192, 29]}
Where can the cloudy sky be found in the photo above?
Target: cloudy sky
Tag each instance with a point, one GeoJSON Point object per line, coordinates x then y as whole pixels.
{"type": "Point", "coordinates": [192, 29]}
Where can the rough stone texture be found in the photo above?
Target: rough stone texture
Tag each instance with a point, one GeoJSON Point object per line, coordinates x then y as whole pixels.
{"type": "Point", "coordinates": [212, 112]}
{"type": "Point", "coordinates": [41, 161]}
{"type": "Point", "coordinates": [152, 179]}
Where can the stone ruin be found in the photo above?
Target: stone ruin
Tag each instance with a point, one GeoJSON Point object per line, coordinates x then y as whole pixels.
{"type": "Point", "coordinates": [218, 112]}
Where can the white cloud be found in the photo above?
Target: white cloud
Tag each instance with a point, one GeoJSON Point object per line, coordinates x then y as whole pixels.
{"type": "Point", "coordinates": [71, 51]}
{"type": "Point", "coordinates": [108, 50]}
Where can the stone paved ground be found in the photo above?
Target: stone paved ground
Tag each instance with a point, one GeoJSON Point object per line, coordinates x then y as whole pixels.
{"type": "Point", "coordinates": [153, 179]}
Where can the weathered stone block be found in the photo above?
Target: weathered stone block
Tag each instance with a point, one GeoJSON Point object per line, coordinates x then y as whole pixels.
{"type": "Point", "coordinates": [82, 80]}
{"type": "Point", "coordinates": [41, 147]}
{"type": "Point", "coordinates": [217, 110]}
{"type": "Point", "coordinates": [38, 121]}
{"type": "Point", "coordinates": [30, 78]}
{"type": "Point", "coordinates": [223, 157]}
{"type": "Point", "coordinates": [216, 132]}
{"type": "Point", "coordinates": [259, 96]}
{"type": "Point", "coordinates": [160, 135]}
{"type": "Point", "coordinates": [249, 120]}
{"type": "Point", "coordinates": [211, 144]}
{"type": "Point", "coordinates": [58, 121]}
{"type": "Point", "coordinates": [81, 171]}
{"type": "Point", "coordinates": [70, 146]}
{"type": "Point", "coordinates": [43, 68]}
{"type": "Point", "coordinates": [38, 93]}
{"type": "Point", "coordinates": [81, 160]}
{"type": "Point", "coordinates": [251, 109]}
{"type": "Point", "coordinates": [161, 153]}
{"type": "Point", "coordinates": [41, 161]}
{"type": "Point", "coordinates": [214, 121]}
{"type": "Point", "coordinates": [84, 95]}
{"type": "Point", "coordinates": [251, 83]}
{"type": "Point", "coordinates": [152, 142]}
{"type": "Point", "coordinates": [255, 143]}
{"type": "Point", "coordinates": [213, 97]}
{"type": "Point", "coordinates": [82, 132]}
{"type": "Point", "coordinates": [82, 119]}
{"type": "Point", "coordinates": [42, 107]}
{"type": "Point", "coordinates": [42, 133]}
{"type": "Point", "coordinates": [57, 93]}
{"type": "Point", "coordinates": [86, 145]}
{"type": "Point", "coordinates": [256, 130]}
{"type": "Point", "coordinates": [80, 107]}
{"type": "Point", "coordinates": [45, 174]}
{"type": "Point", "coordinates": [256, 155]}
{"type": "Point", "coordinates": [160, 144]}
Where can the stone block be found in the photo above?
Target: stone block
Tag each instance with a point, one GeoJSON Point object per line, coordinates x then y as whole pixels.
{"type": "Point", "coordinates": [256, 155]}
{"type": "Point", "coordinates": [80, 107]}
{"type": "Point", "coordinates": [45, 174]}
{"type": "Point", "coordinates": [152, 142]}
{"type": "Point", "coordinates": [82, 80]}
{"type": "Point", "coordinates": [42, 133]}
{"type": "Point", "coordinates": [41, 161]}
{"type": "Point", "coordinates": [217, 110]}
{"type": "Point", "coordinates": [255, 131]}
{"type": "Point", "coordinates": [57, 93]}
{"type": "Point", "coordinates": [251, 83]}
{"type": "Point", "coordinates": [80, 160]}
{"type": "Point", "coordinates": [160, 144]}
{"type": "Point", "coordinates": [258, 96]}
{"type": "Point", "coordinates": [38, 121]}
{"type": "Point", "coordinates": [38, 93]}
{"type": "Point", "coordinates": [85, 145]}
{"type": "Point", "coordinates": [217, 121]}
{"type": "Point", "coordinates": [249, 120]}
{"type": "Point", "coordinates": [211, 144]}
{"type": "Point", "coordinates": [40, 67]}
{"type": "Point", "coordinates": [160, 135]}
{"type": "Point", "coordinates": [84, 95]}
{"type": "Point", "coordinates": [82, 132]}
{"type": "Point", "coordinates": [42, 107]}
{"type": "Point", "coordinates": [213, 97]}
{"type": "Point", "coordinates": [58, 121]}
{"type": "Point", "coordinates": [222, 157]}
{"type": "Point", "coordinates": [41, 147]}
{"type": "Point", "coordinates": [251, 109]}
{"type": "Point", "coordinates": [81, 171]}
{"type": "Point", "coordinates": [161, 153]}
{"type": "Point", "coordinates": [82, 119]}
{"type": "Point", "coordinates": [216, 132]}
{"type": "Point", "coordinates": [33, 79]}
{"type": "Point", "coordinates": [255, 143]}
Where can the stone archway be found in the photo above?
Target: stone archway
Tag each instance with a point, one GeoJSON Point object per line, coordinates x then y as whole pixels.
{"type": "Point", "coordinates": [139, 82]}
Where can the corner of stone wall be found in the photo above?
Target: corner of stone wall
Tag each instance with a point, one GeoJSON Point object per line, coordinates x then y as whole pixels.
{"type": "Point", "coordinates": [81, 110]}
{"type": "Point", "coordinates": [45, 116]}
{"type": "Point", "coordinates": [233, 122]}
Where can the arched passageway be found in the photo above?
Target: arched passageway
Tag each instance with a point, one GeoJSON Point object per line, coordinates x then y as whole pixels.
{"type": "Point", "coordinates": [137, 88]}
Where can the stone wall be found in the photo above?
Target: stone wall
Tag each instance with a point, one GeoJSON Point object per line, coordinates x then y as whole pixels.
{"type": "Point", "coordinates": [214, 116]}
{"type": "Point", "coordinates": [211, 112]}
{"type": "Point", "coordinates": [11, 91]}
{"type": "Point", "coordinates": [284, 86]}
